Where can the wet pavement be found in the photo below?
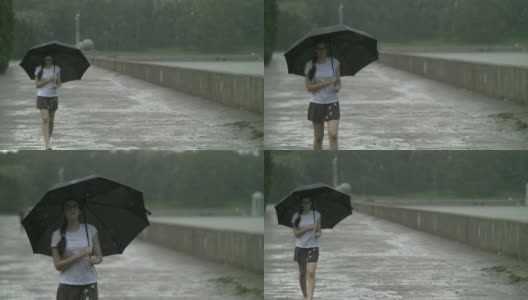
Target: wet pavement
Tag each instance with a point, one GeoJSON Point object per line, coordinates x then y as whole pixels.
{"type": "Point", "coordinates": [144, 271]}
{"type": "Point", "coordinates": [384, 108]}
{"type": "Point", "coordinates": [110, 111]}
{"type": "Point", "coordinates": [369, 258]}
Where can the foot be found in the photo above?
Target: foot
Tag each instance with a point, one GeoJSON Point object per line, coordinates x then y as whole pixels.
{"type": "Point", "coordinates": [49, 148]}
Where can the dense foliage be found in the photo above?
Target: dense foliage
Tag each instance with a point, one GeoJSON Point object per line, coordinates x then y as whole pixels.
{"type": "Point", "coordinates": [202, 179]}
{"type": "Point", "coordinates": [217, 26]}
{"type": "Point", "coordinates": [442, 174]}
{"type": "Point", "coordinates": [6, 32]}
{"type": "Point", "coordinates": [448, 21]}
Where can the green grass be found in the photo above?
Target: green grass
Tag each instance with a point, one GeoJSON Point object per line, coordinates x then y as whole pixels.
{"type": "Point", "coordinates": [256, 133]}
{"type": "Point", "coordinates": [239, 288]}
{"type": "Point", "coordinates": [504, 271]}
{"type": "Point", "coordinates": [521, 124]}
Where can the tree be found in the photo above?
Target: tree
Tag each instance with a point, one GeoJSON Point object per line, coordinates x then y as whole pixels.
{"type": "Point", "coordinates": [6, 33]}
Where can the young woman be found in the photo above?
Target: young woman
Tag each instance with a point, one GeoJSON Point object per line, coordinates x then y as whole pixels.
{"type": "Point", "coordinates": [47, 80]}
{"type": "Point", "coordinates": [322, 80]}
{"type": "Point", "coordinates": [307, 230]}
{"type": "Point", "coordinates": [74, 258]}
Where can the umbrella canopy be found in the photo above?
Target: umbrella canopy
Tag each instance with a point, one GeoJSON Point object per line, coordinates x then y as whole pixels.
{"type": "Point", "coordinates": [116, 210]}
{"type": "Point", "coordinates": [353, 48]}
{"type": "Point", "coordinates": [332, 204]}
{"type": "Point", "coordinates": [70, 59]}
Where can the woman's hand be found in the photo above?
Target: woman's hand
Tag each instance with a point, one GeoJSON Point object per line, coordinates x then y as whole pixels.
{"type": "Point", "coordinates": [94, 259]}
{"type": "Point", "coordinates": [85, 251]}
{"type": "Point", "coordinates": [318, 234]}
{"type": "Point", "coordinates": [331, 80]}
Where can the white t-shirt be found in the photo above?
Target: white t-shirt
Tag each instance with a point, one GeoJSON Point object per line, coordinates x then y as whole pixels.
{"type": "Point", "coordinates": [323, 72]}
{"type": "Point", "coordinates": [81, 272]}
{"type": "Point", "coordinates": [308, 239]}
{"type": "Point", "coordinates": [47, 90]}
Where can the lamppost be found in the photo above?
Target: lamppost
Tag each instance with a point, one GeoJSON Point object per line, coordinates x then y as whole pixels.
{"type": "Point", "coordinates": [77, 35]}
{"type": "Point", "coordinates": [340, 12]}
{"type": "Point", "coordinates": [335, 179]}
{"type": "Point", "coordinates": [526, 196]}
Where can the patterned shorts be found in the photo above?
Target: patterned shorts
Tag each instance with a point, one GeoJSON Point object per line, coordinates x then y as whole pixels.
{"type": "Point", "coordinates": [306, 255]}
{"type": "Point", "coordinates": [320, 113]}
{"type": "Point", "coordinates": [77, 292]}
{"type": "Point", "coordinates": [49, 103]}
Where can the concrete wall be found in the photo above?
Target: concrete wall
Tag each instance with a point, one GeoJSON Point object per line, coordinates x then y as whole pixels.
{"type": "Point", "coordinates": [186, 57]}
{"type": "Point", "coordinates": [237, 90]}
{"type": "Point", "coordinates": [503, 82]}
{"type": "Point", "coordinates": [501, 236]}
{"type": "Point", "coordinates": [237, 248]}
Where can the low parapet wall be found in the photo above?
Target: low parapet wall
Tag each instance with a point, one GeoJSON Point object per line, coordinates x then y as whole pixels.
{"type": "Point", "coordinates": [238, 90]}
{"type": "Point", "coordinates": [236, 248]}
{"type": "Point", "coordinates": [499, 81]}
{"type": "Point", "coordinates": [507, 237]}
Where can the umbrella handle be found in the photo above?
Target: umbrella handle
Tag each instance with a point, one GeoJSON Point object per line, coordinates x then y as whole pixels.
{"type": "Point", "coordinates": [86, 229]}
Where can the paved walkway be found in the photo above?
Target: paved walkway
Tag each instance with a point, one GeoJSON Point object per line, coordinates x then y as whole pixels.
{"type": "Point", "coordinates": [384, 108]}
{"type": "Point", "coordinates": [110, 111]}
{"type": "Point", "coordinates": [369, 258]}
{"type": "Point", "coordinates": [144, 271]}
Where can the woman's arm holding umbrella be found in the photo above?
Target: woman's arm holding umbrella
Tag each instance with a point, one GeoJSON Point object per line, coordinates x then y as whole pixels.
{"type": "Point", "coordinates": [314, 87]}
{"type": "Point", "coordinates": [61, 264]}
{"type": "Point", "coordinates": [97, 258]}
{"type": "Point", "coordinates": [318, 228]}
{"type": "Point", "coordinates": [297, 232]}
{"type": "Point", "coordinates": [40, 83]}
{"type": "Point", "coordinates": [58, 81]}
{"type": "Point", "coordinates": [337, 85]}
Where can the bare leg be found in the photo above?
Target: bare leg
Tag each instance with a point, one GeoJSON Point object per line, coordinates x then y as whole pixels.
{"type": "Point", "coordinates": [310, 272]}
{"type": "Point", "coordinates": [51, 122]}
{"type": "Point", "coordinates": [333, 128]}
{"type": "Point", "coordinates": [318, 135]}
{"type": "Point", "coordinates": [44, 113]}
{"type": "Point", "coordinates": [302, 278]}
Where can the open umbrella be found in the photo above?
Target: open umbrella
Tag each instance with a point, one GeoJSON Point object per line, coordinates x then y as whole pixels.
{"type": "Point", "coordinates": [70, 59]}
{"type": "Point", "coordinates": [353, 48]}
{"type": "Point", "coordinates": [116, 210]}
{"type": "Point", "coordinates": [333, 205]}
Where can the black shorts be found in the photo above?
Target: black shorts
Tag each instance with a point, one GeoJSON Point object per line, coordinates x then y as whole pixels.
{"type": "Point", "coordinates": [49, 103]}
{"type": "Point", "coordinates": [320, 113]}
{"type": "Point", "coordinates": [77, 292]}
{"type": "Point", "coordinates": [306, 255]}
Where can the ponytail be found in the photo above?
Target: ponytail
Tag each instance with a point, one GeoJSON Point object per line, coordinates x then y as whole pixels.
{"type": "Point", "coordinates": [311, 73]}
{"type": "Point", "coordinates": [39, 75]}
{"type": "Point", "coordinates": [61, 245]}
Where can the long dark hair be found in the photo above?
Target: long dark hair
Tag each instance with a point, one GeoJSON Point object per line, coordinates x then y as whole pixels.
{"type": "Point", "coordinates": [39, 75]}
{"type": "Point", "coordinates": [300, 211]}
{"type": "Point", "coordinates": [61, 245]}
{"type": "Point", "coordinates": [311, 73]}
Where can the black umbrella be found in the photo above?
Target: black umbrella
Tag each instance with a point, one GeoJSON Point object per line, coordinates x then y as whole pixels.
{"type": "Point", "coordinates": [332, 204]}
{"type": "Point", "coordinates": [353, 48]}
{"type": "Point", "coordinates": [116, 210]}
{"type": "Point", "coordinates": [70, 59]}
